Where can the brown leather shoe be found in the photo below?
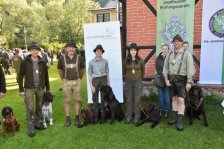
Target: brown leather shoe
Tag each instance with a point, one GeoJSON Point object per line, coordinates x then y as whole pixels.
{"type": "Point", "coordinates": [77, 122]}
{"type": "Point", "coordinates": [174, 119]}
{"type": "Point", "coordinates": [68, 122]}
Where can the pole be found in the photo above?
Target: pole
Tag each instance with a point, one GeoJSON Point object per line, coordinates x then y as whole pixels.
{"type": "Point", "coordinates": [25, 33]}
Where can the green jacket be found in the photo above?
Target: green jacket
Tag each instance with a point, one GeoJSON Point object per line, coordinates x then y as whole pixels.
{"type": "Point", "coordinates": [138, 68]}
{"type": "Point", "coordinates": [26, 72]}
{"type": "Point", "coordinates": [172, 64]}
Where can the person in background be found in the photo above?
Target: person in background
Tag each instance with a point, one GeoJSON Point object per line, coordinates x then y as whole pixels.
{"type": "Point", "coordinates": [133, 71]}
{"type": "Point", "coordinates": [2, 83]}
{"type": "Point", "coordinates": [44, 56]}
{"type": "Point", "coordinates": [16, 60]}
{"type": "Point", "coordinates": [4, 60]}
{"type": "Point", "coordinates": [98, 72]}
{"type": "Point", "coordinates": [33, 79]}
{"type": "Point", "coordinates": [163, 90]}
{"type": "Point", "coordinates": [185, 45]}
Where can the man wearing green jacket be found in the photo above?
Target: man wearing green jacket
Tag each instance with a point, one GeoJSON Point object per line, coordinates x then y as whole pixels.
{"type": "Point", "coordinates": [178, 72]}
{"type": "Point", "coordinates": [34, 71]}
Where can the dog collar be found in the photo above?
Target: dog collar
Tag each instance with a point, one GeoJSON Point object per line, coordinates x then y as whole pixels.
{"type": "Point", "coordinates": [196, 108]}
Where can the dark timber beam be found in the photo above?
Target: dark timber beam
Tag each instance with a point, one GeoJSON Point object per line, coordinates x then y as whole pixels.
{"type": "Point", "coordinates": [148, 4]}
{"type": "Point", "coordinates": [196, 1]}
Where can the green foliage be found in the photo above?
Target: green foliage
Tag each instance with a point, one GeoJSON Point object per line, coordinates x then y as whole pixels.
{"type": "Point", "coordinates": [151, 97]}
{"type": "Point", "coordinates": [213, 99]}
{"type": "Point", "coordinates": [45, 21]}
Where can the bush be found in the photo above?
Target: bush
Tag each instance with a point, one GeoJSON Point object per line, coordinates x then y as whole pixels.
{"type": "Point", "coordinates": [213, 99]}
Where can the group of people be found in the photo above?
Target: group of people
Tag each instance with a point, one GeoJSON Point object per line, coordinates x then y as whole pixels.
{"type": "Point", "coordinates": [176, 69]}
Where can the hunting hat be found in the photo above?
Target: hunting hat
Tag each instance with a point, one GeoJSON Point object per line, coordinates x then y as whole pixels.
{"type": "Point", "coordinates": [99, 46]}
{"type": "Point", "coordinates": [71, 43]}
{"type": "Point", "coordinates": [34, 45]}
{"type": "Point", "coordinates": [133, 46]}
{"type": "Point", "coordinates": [177, 37]}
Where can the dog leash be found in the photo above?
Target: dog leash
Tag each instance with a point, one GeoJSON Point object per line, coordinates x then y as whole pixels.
{"type": "Point", "coordinates": [144, 112]}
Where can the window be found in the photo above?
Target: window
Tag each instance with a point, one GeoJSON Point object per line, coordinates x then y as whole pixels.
{"type": "Point", "coordinates": [105, 17]}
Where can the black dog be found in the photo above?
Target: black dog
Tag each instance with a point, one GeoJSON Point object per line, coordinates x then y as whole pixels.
{"type": "Point", "coordinates": [196, 104]}
{"type": "Point", "coordinates": [9, 122]}
{"type": "Point", "coordinates": [112, 104]}
{"type": "Point", "coordinates": [149, 114]}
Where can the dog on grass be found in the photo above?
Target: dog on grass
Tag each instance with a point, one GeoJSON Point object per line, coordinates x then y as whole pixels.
{"type": "Point", "coordinates": [196, 104]}
{"type": "Point", "coordinates": [9, 122]}
{"type": "Point", "coordinates": [112, 104]}
{"type": "Point", "coordinates": [87, 116]}
{"type": "Point", "coordinates": [47, 108]}
{"type": "Point", "coordinates": [150, 114]}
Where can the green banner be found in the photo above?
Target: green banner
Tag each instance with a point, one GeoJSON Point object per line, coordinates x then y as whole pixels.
{"type": "Point", "coordinates": [174, 17]}
{"type": "Point", "coordinates": [223, 65]}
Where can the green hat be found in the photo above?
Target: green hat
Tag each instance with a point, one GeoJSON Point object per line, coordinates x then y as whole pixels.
{"type": "Point", "coordinates": [177, 37]}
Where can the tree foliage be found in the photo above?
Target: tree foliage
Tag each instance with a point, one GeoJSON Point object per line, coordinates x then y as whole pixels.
{"type": "Point", "coordinates": [43, 21]}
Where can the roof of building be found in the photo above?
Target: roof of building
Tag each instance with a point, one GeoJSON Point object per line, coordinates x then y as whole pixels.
{"type": "Point", "coordinates": [107, 3]}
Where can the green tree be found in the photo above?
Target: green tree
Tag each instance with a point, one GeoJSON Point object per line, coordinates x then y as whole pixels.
{"type": "Point", "coordinates": [54, 21]}
{"type": "Point", "coordinates": [76, 14]}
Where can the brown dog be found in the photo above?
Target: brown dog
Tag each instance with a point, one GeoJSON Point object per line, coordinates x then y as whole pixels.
{"type": "Point", "coordinates": [9, 122]}
{"type": "Point", "coordinates": [196, 104]}
{"type": "Point", "coordinates": [87, 115]}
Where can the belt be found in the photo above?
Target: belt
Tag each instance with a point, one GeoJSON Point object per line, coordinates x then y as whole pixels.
{"type": "Point", "coordinates": [99, 77]}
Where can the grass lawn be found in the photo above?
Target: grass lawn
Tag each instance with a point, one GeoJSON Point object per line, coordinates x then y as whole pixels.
{"type": "Point", "coordinates": [117, 136]}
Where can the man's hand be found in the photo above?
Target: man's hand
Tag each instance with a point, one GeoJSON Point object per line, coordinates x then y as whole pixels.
{"type": "Point", "coordinates": [2, 94]}
{"type": "Point", "coordinates": [93, 89]}
{"type": "Point", "coordinates": [22, 94]}
{"type": "Point", "coordinates": [168, 83]}
{"type": "Point", "coordinates": [188, 86]}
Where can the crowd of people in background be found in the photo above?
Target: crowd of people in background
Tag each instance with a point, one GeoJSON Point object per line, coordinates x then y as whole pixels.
{"type": "Point", "coordinates": [13, 57]}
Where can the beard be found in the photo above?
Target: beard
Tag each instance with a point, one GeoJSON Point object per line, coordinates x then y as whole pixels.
{"type": "Point", "coordinates": [71, 52]}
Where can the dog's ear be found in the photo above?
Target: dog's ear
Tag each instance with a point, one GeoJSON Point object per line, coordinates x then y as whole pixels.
{"type": "Point", "coordinates": [3, 112]}
{"type": "Point", "coordinates": [11, 111]}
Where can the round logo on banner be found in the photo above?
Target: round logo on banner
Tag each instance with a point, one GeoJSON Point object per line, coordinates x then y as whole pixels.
{"type": "Point", "coordinates": [216, 23]}
{"type": "Point", "coordinates": [172, 28]}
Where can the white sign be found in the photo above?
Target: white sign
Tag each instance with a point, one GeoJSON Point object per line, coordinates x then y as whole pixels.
{"type": "Point", "coordinates": [108, 35]}
{"type": "Point", "coordinates": [212, 43]}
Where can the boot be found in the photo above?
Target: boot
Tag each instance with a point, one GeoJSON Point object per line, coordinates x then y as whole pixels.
{"type": "Point", "coordinates": [31, 132]}
{"type": "Point", "coordinates": [77, 122]}
{"type": "Point", "coordinates": [165, 114]}
{"type": "Point", "coordinates": [180, 125]}
{"type": "Point", "coordinates": [174, 120]}
{"type": "Point", "coordinates": [39, 126]}
{"type": "Point", "coordinates": [161, 112]}
{"type": "Point", "coordinates": [68, 122]}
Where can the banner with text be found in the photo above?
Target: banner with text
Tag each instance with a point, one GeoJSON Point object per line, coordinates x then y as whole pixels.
{"type": "Point", "coordinates": [108, 35]}
{"type": "Point", "coordinates": [212, 43]}
{"type": "Point", "coordinates": [174, 17]}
